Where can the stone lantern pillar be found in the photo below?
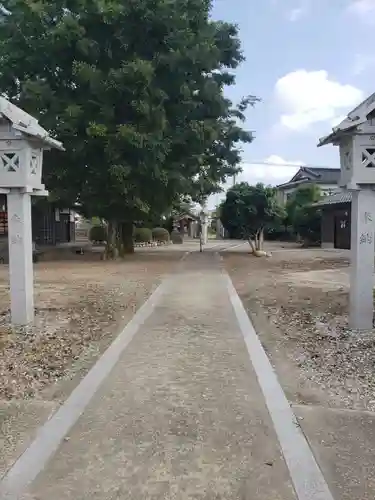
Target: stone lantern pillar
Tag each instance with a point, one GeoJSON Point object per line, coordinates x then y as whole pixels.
{"type": "Point", "coordinates": [355, 137]}
{"type": "Point", "coordinates": [22, 141]}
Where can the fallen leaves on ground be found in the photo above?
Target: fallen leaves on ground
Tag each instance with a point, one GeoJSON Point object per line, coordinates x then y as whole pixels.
{"type": "Point", "coordinates": [310, 325]}
{"type": "Point", "coordinates": [78, 307]}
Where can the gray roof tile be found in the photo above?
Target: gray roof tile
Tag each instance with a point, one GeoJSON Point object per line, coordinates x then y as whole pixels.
{"type": "Point", "coordinates": [335, 199]}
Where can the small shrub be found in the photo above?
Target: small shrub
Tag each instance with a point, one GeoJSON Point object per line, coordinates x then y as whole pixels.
{"type": "Point", "coordinates": [177, 238]}
{"type": "Point", "coordinates": [142, 234]}
{"type": "Point", "coordinates": [98, 234]}
{"type": "Point", "coordinates": [160, 234]}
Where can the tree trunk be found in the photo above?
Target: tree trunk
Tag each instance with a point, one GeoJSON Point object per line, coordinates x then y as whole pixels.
{"type": "Point", "coordinates": [256, 240]}
{"type": "Point", "coordinates": [127, 237]}
{"type": "Point", "coordinates": [119, 241]}
{"type": "Point", "coordinates": [261, 238]}
{"type": "Point", "coordinates": [251, 243]}
{"type": "Point", "coordinates": [110, 252]}
{"type": "Point", "coordinates": [257, 244]}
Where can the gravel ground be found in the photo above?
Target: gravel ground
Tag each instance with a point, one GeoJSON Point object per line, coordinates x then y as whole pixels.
{"type": "Point", "coordinates": [298, 302]}
{"type": "Point", "coordinates": [80, 306]}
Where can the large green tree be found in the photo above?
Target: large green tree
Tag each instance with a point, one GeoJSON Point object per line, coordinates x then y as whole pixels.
{"type": "Point", "coordinates": [307, 224]}
{"type": "Point", "coordinates": [135, 90]}
{"type": "Point", "coordinates": [302, 215]}
{"type": "Point", "coordinates": [302, 196]}
{"type": "Point", "coordinates": [248, 211]}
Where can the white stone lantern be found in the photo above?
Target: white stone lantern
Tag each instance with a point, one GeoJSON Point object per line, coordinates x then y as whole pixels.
{"type": "Point", "coordinates": [355, 137]}
{"type": "Point", "coordinates": [22, 141]}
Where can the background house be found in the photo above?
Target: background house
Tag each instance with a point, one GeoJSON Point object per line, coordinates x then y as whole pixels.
{"type": "Point", "coordinates": [336, 221]}
{"type": "Point", "coordinates": [335, 203]}
{"type": "Point", "coordinates": [325, 178]}
{"type": "Point", "coordinates": [50, 225]}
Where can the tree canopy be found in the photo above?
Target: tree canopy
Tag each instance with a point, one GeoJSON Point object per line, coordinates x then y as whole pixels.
{"type": "Point", "coordinates": [303, 216]}
{"type": "Point", "coordinates": [247, 211]}
{"type": "Point", "coordinates": [134, 90]}
{"type": "Point", "coordinates": [302, 196]}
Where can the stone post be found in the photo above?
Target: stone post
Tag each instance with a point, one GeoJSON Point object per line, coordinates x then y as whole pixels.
{"type": "Point", "coordinates": [20, 257]}
{"type": "Point", "coordinates": [362, 259]}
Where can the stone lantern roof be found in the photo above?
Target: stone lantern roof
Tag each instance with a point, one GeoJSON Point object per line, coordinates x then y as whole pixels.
{"type": "Point", "coordinates": [360, 115]}
{"type": "Point", "coordinates": [27, 124]}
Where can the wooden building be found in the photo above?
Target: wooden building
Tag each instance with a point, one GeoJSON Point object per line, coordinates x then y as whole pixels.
{"type": "Point", "coordinates": [187, 224]}
{"type": "Point", "coordinates": [50, 224]}
{"type": "Point", "coordinates": [336, 220]}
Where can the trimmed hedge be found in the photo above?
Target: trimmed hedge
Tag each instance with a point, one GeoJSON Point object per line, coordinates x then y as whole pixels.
{"type": "Point", "coordinates": [98, 233]}
{"type": "Point", "coordinates": [142, 234]}
{"type": "Point", "coordinates": [160, 234]}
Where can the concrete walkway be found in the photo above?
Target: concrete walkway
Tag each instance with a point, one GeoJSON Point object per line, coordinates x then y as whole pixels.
{"type": "Point", "coordinates": [180, 416]}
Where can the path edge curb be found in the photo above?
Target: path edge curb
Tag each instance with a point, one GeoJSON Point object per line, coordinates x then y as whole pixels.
{"type": "Point", "coordinates": [306, 475]}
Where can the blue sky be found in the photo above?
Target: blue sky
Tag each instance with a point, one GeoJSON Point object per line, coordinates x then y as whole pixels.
{"type": "Point", "coordinates": [311, 62]}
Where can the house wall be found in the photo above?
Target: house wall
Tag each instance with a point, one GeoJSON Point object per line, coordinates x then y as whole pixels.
{"type": "Point", "coordinates": [328, 229]}
{"type": "Point", "coordinates": [342, 224]}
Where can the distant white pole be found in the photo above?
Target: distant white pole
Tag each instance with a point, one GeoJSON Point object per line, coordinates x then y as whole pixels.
{"type": "Point", "coordinates": [204, 222]}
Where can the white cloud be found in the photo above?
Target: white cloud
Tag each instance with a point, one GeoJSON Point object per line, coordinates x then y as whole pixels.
{"type": "Point", "coordinates": [363, 9]}
{"type": "Point", "coordinates": [309, 97]}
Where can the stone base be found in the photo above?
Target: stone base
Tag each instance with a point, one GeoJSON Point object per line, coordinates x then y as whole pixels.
{"type": "Point", "coordinates": [152, 244]}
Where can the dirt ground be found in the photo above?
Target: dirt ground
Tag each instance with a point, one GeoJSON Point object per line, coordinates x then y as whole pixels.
{"type": "Point", "coordinates": [298, 302]}
{"type": "Point", "coordinates": [80, 306]}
